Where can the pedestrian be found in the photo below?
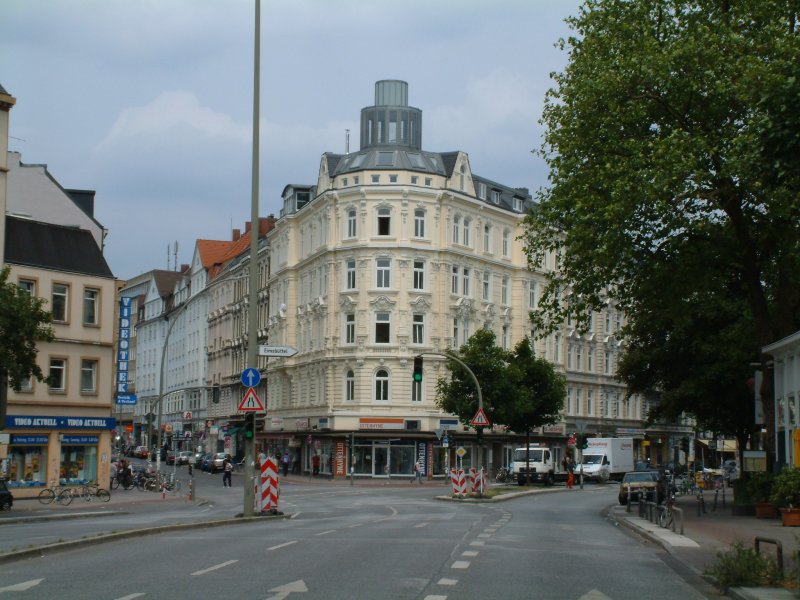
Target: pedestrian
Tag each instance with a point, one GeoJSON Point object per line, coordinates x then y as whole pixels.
{"type": "Point", "coordinates": [570, 472]}
{"type": "Point", "coordinates": [227, 471]}
{"type": "Point", "coordinates": [285, 463]}
{"type": "Point", "coordinates": [417, 473]}
{"type": "Point", "coordinates": [315, 464]}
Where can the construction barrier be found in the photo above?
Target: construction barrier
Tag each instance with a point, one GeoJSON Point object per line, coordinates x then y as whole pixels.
{"type": "Point", "coordinates": [477, 480]}
{"type": "Point", "coordinates": [459, 481]}
{"type": "Point", "coordinates": [270, 489]}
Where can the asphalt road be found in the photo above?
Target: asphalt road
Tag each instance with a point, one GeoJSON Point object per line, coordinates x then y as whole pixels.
{"type": "Point", "coordinates": [345, 542]}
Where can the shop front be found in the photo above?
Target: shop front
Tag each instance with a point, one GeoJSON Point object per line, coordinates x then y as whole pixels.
{"type": "Point", "coordinates": [46, 451]}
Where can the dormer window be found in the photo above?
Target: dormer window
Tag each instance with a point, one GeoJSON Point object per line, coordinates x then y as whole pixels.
{"type": "Point", "coordinates": [496, 196]}
{"type": "Point", "coordinates": [482, 191]}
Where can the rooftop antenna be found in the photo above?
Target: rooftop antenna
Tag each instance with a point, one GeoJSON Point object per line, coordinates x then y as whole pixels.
{"type": "Point", "coordinates": [167, 257]}
{"type": "Point", "coordinates": [175, 255]}
{"type": "Point", "coordinates": [347, 141]}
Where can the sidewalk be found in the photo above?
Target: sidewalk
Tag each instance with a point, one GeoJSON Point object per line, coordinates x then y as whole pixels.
{"type": "Point", "coordinates": [706, 535]}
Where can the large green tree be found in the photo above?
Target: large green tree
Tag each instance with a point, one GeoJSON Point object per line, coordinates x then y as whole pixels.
{"type": "Point", "coordinates": [671, 138]}
{"type": "Point", "coordinates": [23, 323]}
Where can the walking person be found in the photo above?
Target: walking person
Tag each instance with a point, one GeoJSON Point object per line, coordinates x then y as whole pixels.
{"type": "Point", "coordinates": [417, 473]}
{"type": "Point", "coordinates": [227, 471]}
{"type": "Point", "coordinates": [285, 463]}
{"type": "Point", "coordinates": [570, 472]}
{"type": "Point", "coordinates": [315, 460]}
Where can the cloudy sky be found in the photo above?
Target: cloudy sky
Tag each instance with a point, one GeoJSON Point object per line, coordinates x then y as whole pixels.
{"type": "Point", "coordinates": [149, 102]}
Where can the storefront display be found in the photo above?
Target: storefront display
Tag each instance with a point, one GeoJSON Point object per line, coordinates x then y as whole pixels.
{"type": "Point", "coordinates": [27, 461]}
{"type": "Point", "coordinates": [78, 460]}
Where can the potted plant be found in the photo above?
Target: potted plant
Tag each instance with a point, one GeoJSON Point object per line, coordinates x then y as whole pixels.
{"type": "Point", "coordinates": [759, 487]}
{"type": "Point", "coordinates": [786, 496]}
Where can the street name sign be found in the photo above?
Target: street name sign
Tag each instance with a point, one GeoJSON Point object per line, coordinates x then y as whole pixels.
{"type": "Point", "coordinates": [276, 351]}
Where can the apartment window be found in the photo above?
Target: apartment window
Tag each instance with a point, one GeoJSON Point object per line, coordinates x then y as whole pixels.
{"type": "Point", "coordinates": [454, 280]}
{"type": "Point", "coordinates": [419, 274]}
{"type": "Point", "coordinates": [570, 400]}
{"type": "Point", "coordinates": [88, 376]}
{"type": "Point", "coordinates": [384, 221]}
{"type": "Point", "coordinates": [350, 328]}
{"type": "Point", "coordinates": [607, 364]}
{"type": "Point", "coordinates": [416, 391]}
{"type": "Point", "coordinates": [506, 236]}
{"type": "Point", "coordinates": [60, 302]}
{"type": "Point", "coordinates": [466, 283]}
{"type": "Point", "coordinates": [570, 351]}
{"type": "Point", "coordinates": [350, 274]}
{"type": "Point", "coordinates": [392, 178]}
{"type": "Point", "coordinates": [349, 386]}
{"type": "Point", "coordinates": [482, 191]}
{"type": "Point", "coordinates": [608, 321]}
{"type": "Point", "coordinates": [383, 272]}
{"type": "Point", "coordinates": [27, 285]}
{"type": "Point", "coordinates": [382, 385]}
{"type": "Point", "coordinates": [487, 278]}
{"type": "Point", "coordinates": [26, 385]}
{"type": "Point", "coordinates": [58, 375]}
{"type": "Point", "coordinates": [455, 333]}
{"type": "Point", "coordinates": [344, 181]}
{"type": "Point", "coordinates": [505, 337]}
{"type": "Point", "coordinates": [578, 402]}
{"type": "Point", "coordinates": [589, 402]}
{"type": "Point", "coordinates": [418, 329]}
{"type": "Point", "coordinates": [532, 295]}
{"type": "Point", "coordinates": [590, 360]}
{"type": "Point", "coordinates": [90, 306]}
{"type": "Point", "coordinates": [419, 223]}
{"type": "Point", "coordinates": [355, 179]}
{"type": "Point", "coordinates": [578, 357]}
{"type": "Point", "coordinates": [351, 223]}
{"type": "Point", "coordinates": [376, 179]}
{"type": "Point", "coordinates": [504, 291]}
{"type": "Point", "coordinates": [518, 204]}
{"type": "Point", "coordinates": [464, 332]}
{"type": "Point", "coordinates": [456, 228]}
{"type": "Point", "coordinates": [382, 328]}
{"type": "Point", "coordinates": [414, 180]}
{"type": "Point", "coordinates": [496, 196]}
{"type": "Point", "coordinates": [487, 238]}
{"type": "Point", "coordinates": [467, 225]}
{"type": "Point", "coordinates": [429, 181]}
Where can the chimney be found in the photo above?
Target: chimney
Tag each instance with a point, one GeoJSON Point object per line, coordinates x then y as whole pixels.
{"type": "Point", "coordinates": [247, 227]}
{"type": "Point", "coordinates": [237, 233]}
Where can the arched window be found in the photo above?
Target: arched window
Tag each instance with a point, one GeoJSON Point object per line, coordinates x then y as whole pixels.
{"type": "Point", "coordinates": [382, 385]}
{"type": "Point", "coordinates": [349, 386]}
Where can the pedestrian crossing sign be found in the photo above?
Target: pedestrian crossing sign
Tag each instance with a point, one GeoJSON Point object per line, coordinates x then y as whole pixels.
{"type": "Point", "coordinates": [250, 402]}
{"type": "Point", "coordinates": [480, 419]}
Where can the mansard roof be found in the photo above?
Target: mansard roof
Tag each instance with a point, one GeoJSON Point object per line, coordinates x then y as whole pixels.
{"type": "Point", "coordinates": [55, 247]}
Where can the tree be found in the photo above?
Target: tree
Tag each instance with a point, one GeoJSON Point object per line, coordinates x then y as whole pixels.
{"type": "Point", "coordinates": [540, 391]}
{"type": "Point", "coordinates": [668, 160]}
{"type": "Point", "coordinates": [23, 323]}
{"type": "Point", "coordinates": [458, 395]}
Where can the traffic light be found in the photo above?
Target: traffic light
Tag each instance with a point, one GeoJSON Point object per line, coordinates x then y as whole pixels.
{"type": "Point", "coordinates": [249, 420]}
{"type": "Point", "coordinates": [479, 436]}
{"type": "Point", "coordinates": [417, 368]}
{"type": "Point", "coordinates": [583, 442]}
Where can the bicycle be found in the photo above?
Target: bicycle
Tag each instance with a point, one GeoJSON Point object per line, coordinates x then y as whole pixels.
{"type": "Point", "coordinates": [504, 475]}
{"type": "Point", "coordinates": [90, 491]}
{"type": "Point", "coordinates": [667, 517]}
{"type": "Point", "coordinates": [61, 494]}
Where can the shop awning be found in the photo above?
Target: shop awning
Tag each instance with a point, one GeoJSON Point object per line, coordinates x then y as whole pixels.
{"type": "Point", "coordinates": [724, 446]}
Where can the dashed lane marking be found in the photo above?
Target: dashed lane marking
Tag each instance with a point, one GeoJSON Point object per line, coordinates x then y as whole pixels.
{"type": "Point", "coordinates": [435, 597]}
{"type": "Point", "coordinates": [447, 581]}
{"type": "Point", "coordinates": [326, 532]}
{"type": "Point", "coordinates": [215, 567]}
{"type": "Point", "coordinates": [282, 545]}
{"type": "Point", "coordinates": [477, 543]}
{"type": "Point", "coordinates": [418, 525]}
{"type": "Point", "coordinates": [130, 596]}
{"type": "Point", "coordinates": [460, 564]}
{"type": "Point", "coordinates": [469, 553]}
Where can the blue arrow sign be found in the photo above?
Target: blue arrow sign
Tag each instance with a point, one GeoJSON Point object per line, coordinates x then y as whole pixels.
{"type": "Point", "coordinates": [251, 377]}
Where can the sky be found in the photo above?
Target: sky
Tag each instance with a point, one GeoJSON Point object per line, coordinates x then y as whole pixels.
{"type": "Point", "coordinates": [150, 102]}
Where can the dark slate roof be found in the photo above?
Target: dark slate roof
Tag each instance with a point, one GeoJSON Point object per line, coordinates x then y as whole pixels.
{"type": "Point", "coordinates": [166, 280]}
{"type": "Point", "coordinates": [449, 160]}
{"type": "Point", "coordinates": [55, 247]}
{"type": "Point", "coordinates": [3, 90]}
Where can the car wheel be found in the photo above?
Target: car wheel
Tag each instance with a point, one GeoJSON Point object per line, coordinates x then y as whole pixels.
{"type": "Point", "coordinates": [5, 504]}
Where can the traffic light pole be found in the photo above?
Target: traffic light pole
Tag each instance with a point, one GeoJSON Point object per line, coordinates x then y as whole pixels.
{"type": "Point", "coordinates": [480, 398]}
{"type": "Point", "coordinates": [255, 230]}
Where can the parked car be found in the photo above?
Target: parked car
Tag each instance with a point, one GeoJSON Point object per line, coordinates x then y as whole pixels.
{"type": "Point", "coordinates": [640, 483]}
{"type": "Point", "coordinates": [205, 462]}
{"type": "Point", "coordinates": [141, 452]}
{"type": "Point", "coordinates": [184, 456]}
{"type": "Point", "coordinates": [6, 498]}
{"type": "Point", "coordinates": [170, 458]}
{"type": "Point", "coordinates": [217, 460]}
{"type": "Point", "coordinates": [196, 459]}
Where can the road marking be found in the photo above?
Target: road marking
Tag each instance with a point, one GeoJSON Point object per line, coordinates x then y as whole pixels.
{"type": "Point", "coordinates": [21, 587]}
{"type": "Point", "coordinates": [130, 596]}
{"type": "Point", "coordinates": [282, 546]}
{"type": "Point", "coordinates": [477, 543]}
{"type": "Point", "coordinates": [418, 525]}
{"type": "Point", "coordinates": [435, 597]}
{"type": "Point", "coordinates": [594, 595]}
{"type": "Point", "coordinates": [446, 581]}
{"type": "Point", "coordinates": [326, 532]}
{"type": "Point", "coordinates": [215, 567]}
{"type": "Point", "coordinates": [490, 529]}
{"type": "Point", "coordinates": [284, 590]}
{"type": "Point", "coordinates": [484, 535]}
{"type": "Point", "coordinates": [460, 564]}
{"type": "Point", "coordinates": [469, 553]}
{"type": "Point", "coordinates": [356, 525]}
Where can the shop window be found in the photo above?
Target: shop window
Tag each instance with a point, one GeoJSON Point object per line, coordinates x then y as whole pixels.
{"type": "Point", "coordinates": [78, 462]}
{"type": "Point", "coordinates": [27, 464]}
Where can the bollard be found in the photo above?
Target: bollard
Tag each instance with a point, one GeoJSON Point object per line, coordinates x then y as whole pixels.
{"type": "Point", "coordinates": [628, 505]}
{"type": "Point", "coordinates": [778, 550]}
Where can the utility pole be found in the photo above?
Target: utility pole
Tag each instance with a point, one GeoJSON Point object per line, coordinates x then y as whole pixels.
{"type": "Point", "coordinates": [252, 308]}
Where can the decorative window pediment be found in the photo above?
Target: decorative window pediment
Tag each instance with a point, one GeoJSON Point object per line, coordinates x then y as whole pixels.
{"type": "Point", "coordinates": [382, 303]}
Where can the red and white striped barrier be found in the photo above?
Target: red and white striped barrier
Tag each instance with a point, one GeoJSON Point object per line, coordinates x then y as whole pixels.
{"type": "Point", "coordinates": [270, 490]}
{"type": "Point", "coordinates": [459, 481]}
{"type": "Point", "coordinates": [477, 480]}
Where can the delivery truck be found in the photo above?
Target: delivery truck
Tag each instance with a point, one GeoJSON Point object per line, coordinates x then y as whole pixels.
{"type": "Point", "coordinates": [606, 458]}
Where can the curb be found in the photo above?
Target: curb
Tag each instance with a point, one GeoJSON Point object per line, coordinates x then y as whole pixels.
{"type": "Point", "coordinates": [121, 535]}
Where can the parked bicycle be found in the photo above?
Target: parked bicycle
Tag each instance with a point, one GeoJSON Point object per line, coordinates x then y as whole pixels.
{"type": "Point", "coordinates": [61, 494]}
{"type": "Point", "coordinates": [91, 492]}
{"type": "Point", "coordinates": [667, 517]}
{"type": "Point", "coordinates": [504, 475]}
